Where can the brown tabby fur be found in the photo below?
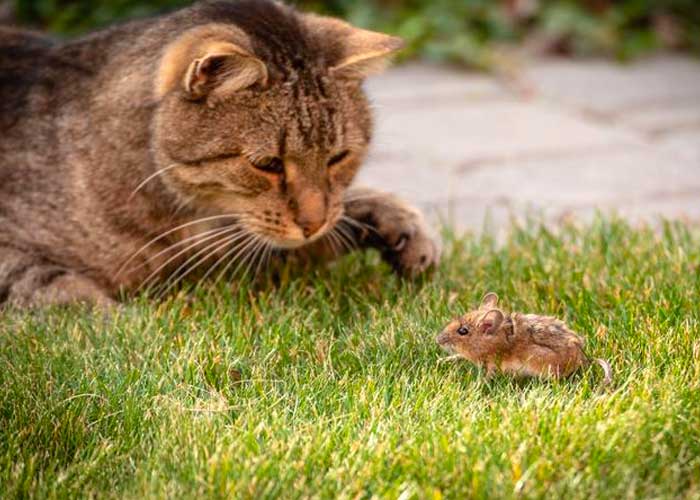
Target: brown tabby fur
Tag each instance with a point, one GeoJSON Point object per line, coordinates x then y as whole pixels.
{"type": "Point", "coordinates": [109, 142]}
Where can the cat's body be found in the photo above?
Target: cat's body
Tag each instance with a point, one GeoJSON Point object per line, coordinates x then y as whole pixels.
{"type": "Point", "coordinates": [247, 116]}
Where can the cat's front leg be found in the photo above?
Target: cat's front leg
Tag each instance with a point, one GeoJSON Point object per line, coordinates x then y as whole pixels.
{"type": "Point", "coordinates": [383, 221]}
{"type": "Point", "coordinates": [28, 281]}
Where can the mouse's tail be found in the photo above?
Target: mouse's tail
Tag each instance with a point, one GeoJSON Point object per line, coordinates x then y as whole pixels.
{"type": "Point", "coordinates": [606, 370]}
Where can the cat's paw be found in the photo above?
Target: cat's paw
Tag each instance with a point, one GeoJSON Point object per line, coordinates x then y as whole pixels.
{"type": "Point", "coordinates": [399, 232]}
{"type": "Point", "coordinates": [408, 245]}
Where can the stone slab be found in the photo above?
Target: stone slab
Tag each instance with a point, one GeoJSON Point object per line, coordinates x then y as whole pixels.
{"type": "Point", "coordinates": [608, 88]}
{"type": "Point", "coordinates": [420, 84]}
{"type": "Point", "coordinates": [407, 176]}
{"type": "Point", "coordinates": [641, 183]}
{"type": "Point", "coordinates": [460, 135]}
{"type": "Point", "coordinates": [597, 137]}
{"type": "Point", "coordinates": [675, 117]}
{"type": "Point", "coordinates": [610, 178]}
{"type": "Point", "coordinates": [682, 144]}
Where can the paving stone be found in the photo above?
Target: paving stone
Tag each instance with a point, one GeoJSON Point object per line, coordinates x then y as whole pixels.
{"type": "Point", "coordinates": [640, 183]}
{"type": "Point", "coordinates": [606, 179]}
{"type": "Point", "coordinates": [468, 151]}
{"type": "Point", "coordinates": [497, 219]}
{"type": "Point", "coordinates": [664, 121]}
{"type": "Point", "coordinates": [407, 176]}
{"type": "Point", "coordinates": [420, 84]}
{"type": "Point", "coordinates": [607, 87]}
{"type": "Point", "coordinates": [683, 144]}
{"type": "Point", "coordinates": [459, 135]}
{"type": "Point", "coordinates": [633, 182]}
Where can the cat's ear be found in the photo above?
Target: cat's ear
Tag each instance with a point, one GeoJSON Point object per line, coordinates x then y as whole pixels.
{"type": "Point", "coordinates": [222, 70]}
{"type": "Point", "coordinates": [355, 53]}
{"type": "Point", "coordinates": [490, 321]}
{"type": "Point", "coordinates": [366, 53]}
{"type": "Point", "coordinates": [489, 301]}
{"type": "Point", "coordinates": [202, 65]}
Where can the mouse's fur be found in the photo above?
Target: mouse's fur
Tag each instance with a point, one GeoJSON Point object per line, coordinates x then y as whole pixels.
{"type": "Point", "coordinates": [515, 343]}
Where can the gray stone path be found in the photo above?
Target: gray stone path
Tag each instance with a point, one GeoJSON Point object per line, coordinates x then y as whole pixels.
{"type": "Point", "coordinates": [571, 138]}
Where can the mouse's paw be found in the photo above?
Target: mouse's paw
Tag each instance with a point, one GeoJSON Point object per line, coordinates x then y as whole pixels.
{"type": "Point", "coordinates": [396, 229]}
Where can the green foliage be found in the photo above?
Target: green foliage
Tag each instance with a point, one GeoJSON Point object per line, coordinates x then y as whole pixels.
{"type": "Point", "coordinates": [74, 17]}
{"type": "Point", "coordinates": [327, 383]}
{"type": "Point", "coordinates": [464, 31]}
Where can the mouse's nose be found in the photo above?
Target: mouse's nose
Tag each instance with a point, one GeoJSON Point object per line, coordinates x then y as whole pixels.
{"type": "Point", "coordinates": [442, 338]}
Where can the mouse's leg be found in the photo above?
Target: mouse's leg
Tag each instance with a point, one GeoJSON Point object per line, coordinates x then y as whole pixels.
{"type": "Point", "coordinates": [29, 281]}
{"type": "Point", "coordinates": [380, 220]}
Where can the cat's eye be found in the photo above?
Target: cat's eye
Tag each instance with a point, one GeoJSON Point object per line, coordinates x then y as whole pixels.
{"type": "Point", "coordinates": [338, 158]}
{"type": "Point", "coordinates": [272, 165]}
{"type": "Point", "coordinates": [463, 330]}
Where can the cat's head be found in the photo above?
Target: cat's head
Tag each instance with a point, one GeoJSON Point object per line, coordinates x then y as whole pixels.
{"type": "Point", "coordinates": [261, 114]}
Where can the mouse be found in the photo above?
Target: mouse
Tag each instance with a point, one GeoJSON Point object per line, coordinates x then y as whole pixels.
{"type": "Point", "coordinates": [522, 345]}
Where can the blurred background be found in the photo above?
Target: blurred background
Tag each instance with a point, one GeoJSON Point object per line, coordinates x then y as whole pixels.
{"type": "Point", "coordinates": [505, 108]}
{"type": "Point", "coordinates": [469, 32]}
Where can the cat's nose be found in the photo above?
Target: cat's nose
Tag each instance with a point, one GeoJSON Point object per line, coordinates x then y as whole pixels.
{"type": "Point", "coordinates": [310, 211]}
{"type": "Point", "coordinates": [310, 227]}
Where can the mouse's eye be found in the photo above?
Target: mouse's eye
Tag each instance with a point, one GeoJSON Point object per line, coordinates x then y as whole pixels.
{"type": "Point", "coordinates": [463, 330]}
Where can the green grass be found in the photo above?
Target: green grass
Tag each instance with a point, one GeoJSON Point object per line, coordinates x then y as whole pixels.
{"type": "Point", "coordinates": [326, 382]}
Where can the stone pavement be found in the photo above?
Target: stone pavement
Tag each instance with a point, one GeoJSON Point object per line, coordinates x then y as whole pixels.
{"type": "Point", "coordinates": [566, 138]}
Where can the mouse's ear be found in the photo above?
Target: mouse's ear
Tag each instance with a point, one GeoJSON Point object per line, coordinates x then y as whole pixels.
{"type": "Point", "coordinates": [490, 321]}
{"type": "Point", "coordinates": [489, 301]}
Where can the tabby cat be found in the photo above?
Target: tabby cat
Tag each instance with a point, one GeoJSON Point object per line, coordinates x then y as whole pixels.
{"type": "Point", "coordinates": [206, 138]}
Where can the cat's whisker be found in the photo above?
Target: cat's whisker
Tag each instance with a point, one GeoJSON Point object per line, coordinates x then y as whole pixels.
{"type": "Point", "coordinates": [342, 231]}
{"type": "Point", "coordinates": [256, 225]}
{"type": "Point", "coordinates": [247, 257]}
{"type": "Point", "coordinates": [353, 222]}
{"type": "Point", "coordinates": [270, 229]}
{"type": "Point", "coordinates": [268, 256]}
{"type": "Point", "coordinates": [266, 246]}
{"type": "Point", "coordinates": [328, 238]}
{"type": "Point", "coordinates": [250, 257]}
{"type": "Point", "coordinates": [342, 248]}
{"type": "Point", "coordinates": [168, 232]}
{"type": "Point", "coordinates": [216, 236]}
{"type": "Point", "coordinates": [359, 229]}
{"type": "Point", "coordinates": [180, 243]}
{"type": "Point", "coordinates": [222, 259]}
{"type": "Point", "coordinates": [254, 254]}
{"type": "Point", "coordinates": [242, 248]}
{"type": "Point", "coordinates": [149, 178]}
{"type": "Point", "coordinates": [343, 244]}
{"type": "Point", "coordinates": [185, 269]}
{"type": "Point", "coordinates": [239, 248]}
{"type": "Point", "coordinates": [181, 205]}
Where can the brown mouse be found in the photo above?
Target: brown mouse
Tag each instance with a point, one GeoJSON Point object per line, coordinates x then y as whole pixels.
{"type": "Point", "coordinates": [518, 344]}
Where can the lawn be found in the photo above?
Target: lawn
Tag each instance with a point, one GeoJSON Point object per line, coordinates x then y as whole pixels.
{"type": "Point", "coordinates": [326, 382]}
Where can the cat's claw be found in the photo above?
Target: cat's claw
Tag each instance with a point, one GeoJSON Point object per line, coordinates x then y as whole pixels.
{"type": "Point", "coordinates": [413, 250]}
{"type": "Point", "coordinates": [397, 230]}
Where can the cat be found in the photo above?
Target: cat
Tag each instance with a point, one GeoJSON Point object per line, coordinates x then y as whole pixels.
{"type": "Point", "coordinates": [199, 138]}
